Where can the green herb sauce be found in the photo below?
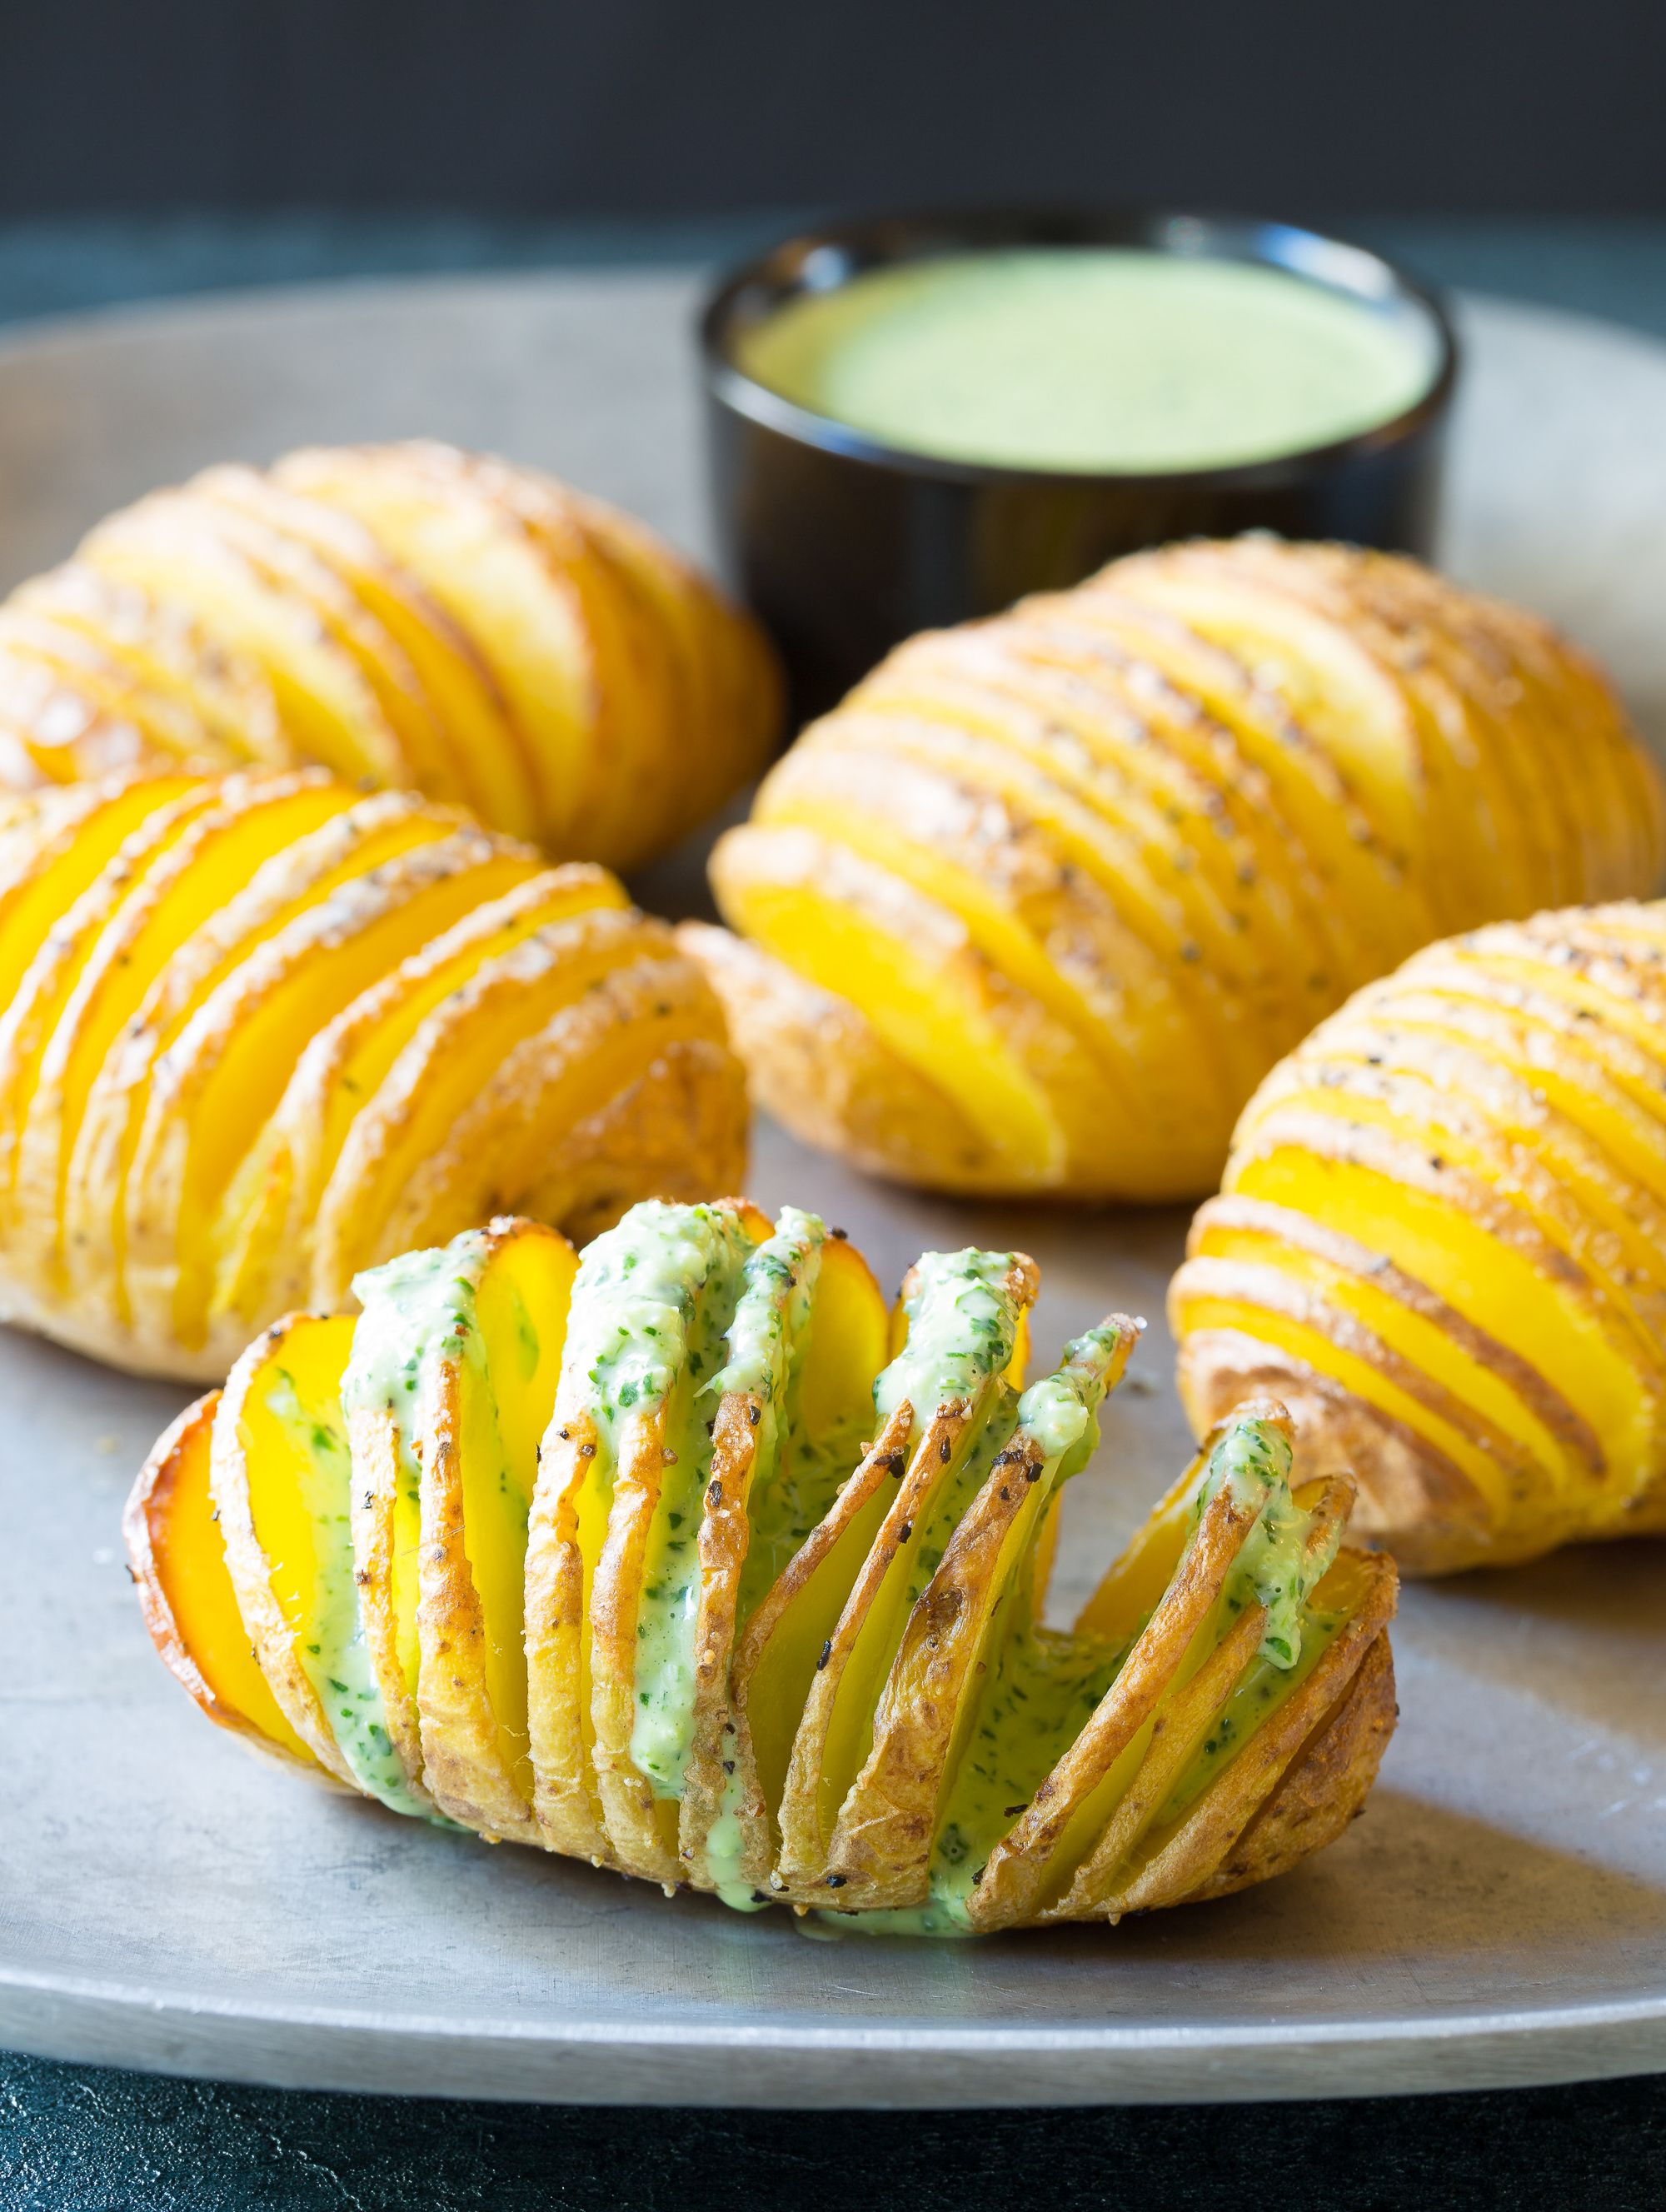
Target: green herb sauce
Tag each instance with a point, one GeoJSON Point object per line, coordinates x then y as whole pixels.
{"type": "Point", "coordinates": [1092, 358]}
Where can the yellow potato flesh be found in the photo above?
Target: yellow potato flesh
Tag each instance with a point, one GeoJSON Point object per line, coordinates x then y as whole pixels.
{"type": "Point", "coordinates": [916, 1012]}
{"type": "Point", "coordinates": [1387, 920]}
{"type": "Point", "coordinates": [568, 1098]}
{"type": "Point", "coordinates": [363, 1071]}
{"type": "Point", "coordinates": [299, 1513]}
{"type": "Point", "coordinates": [50, 891]}
{"type": "Point", "coordinates": [1489, 1160]}
{"type": "Point", "coordinates": [1367, 1381]}
{"type": "Point", "coordinates": [994, 929]}
{"type": "Point", "coordinates": [479, 749]}
{"type": "Point", "coordinates": [867, 1667]}
{"type": "Point", "coordinates": [1636, 1022]}
{"type": "Point", "coordinates": [191, 1566]}
{"type": "Point", "coordinates": [51, 984]}
{"type": "Point", "coordinates": [320, 694]}
{"type": "Point", "coordinates": [221, 866]}
{"type": "Point", "coordinates": [485, 568]}
{"type": "Point", "coordinates": [1562, 1074]}
{"type": "Point", "coordinates": [1350, 706]}
{"type": "Point", "coordinates": [781, 1680]}
{"type": "Point", "coordinates": [405, 834]}
{"type": "Point", "coordinates": [521, 1311]}
{"type": "Point", "coordinates": [114, 695]}
{"type": "Point", "coordinates": [1424, 1344]}
{"type": "Point", "coordinates": [1489, 1283]}
{"type": "Point", "coordinates": [226, 696]}
{"type": "Point", "coordinates": [248, 1080]}
{"type": "Point", "coordinates": [848, 1344]}
{"type": "Point", "coordinates": [1259, 1693]}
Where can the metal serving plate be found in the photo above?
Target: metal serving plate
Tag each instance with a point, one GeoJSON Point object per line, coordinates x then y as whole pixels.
{"type": "Point", "coordinates": [166, 1901]}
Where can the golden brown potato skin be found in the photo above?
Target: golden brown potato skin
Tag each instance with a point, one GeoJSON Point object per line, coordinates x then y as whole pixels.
{"type": "Point", "coordinates": [1440, 1242]}
{"type": "Point", "coordinates": [408, 614]}
{"type": "Point", "coordinates": [1065, 883]}
{"type": "Point", "coordinates": [259, 1033]}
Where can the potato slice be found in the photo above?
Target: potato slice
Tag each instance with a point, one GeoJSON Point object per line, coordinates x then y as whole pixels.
{"type": "Point", "coordinates": [1140, 757]}
{"type": "Point", "coordinates": [1225, 1570]}
{"type": "Point", "coordinates": [810, 1333]}
{"type": "Point", "coordinates": [49, 858]}
{"type": "Point", "coordinates": [280, 1484]}
{"type": "Point", "coordinates": [651, 1303]}
{"type": "Point", "coordinates": [1033, 889]}
{"type": "Point", "coordinates": [962, 1311]}
{"type": "Point", "coordinates": [485, 567]}
{"type": "Point", "coordinates": [727, 690]}
{"type": "Point", "coordinates": [1466, 1113]}
{"type": "Point", "coordinates": [1115, 881]}
{"type": "Point", "coordinates": [1333, 685]}
{"type": "Point", "coordinates": [1380, 901]}
{"type": "Point", "coordinates": [456, 1373]}
{"type": "Point", "coordinates": [565, 1022]}
{"type": "Point", "coordinates": [1441, 1243]}
{"type": "Point", "coordinates": [69, 716]}
{"type": "Point", "coordinates": [273, 1200]}
{"type": "Point", "coordinates": [370, 834]}
{"type": "Point", "coordinates": [29, 1023]}
{"type": "Point", "coordinates": [912, 968]}
{"type": "Point", "coordinates": [196, 679]}
{"type": "Point", "coordinates": [1474, 836]}
{"type": "Point", "coordinates": [203, 850]}
{"type": "Point", "coordinates": [178, 1566]}
{"type": "Point", "coordinates": [232, 504]}
{"type": "Point", "coordinates": [215, 1083]}
{"type": "Point", "coordinates": [323, 698]}
{"type": "Point", "coordinates": [406, 642]}
{"type": "Point", "coordinates": [880, 1850]}
{"type": "Point", "coordinates": [818, 1066]}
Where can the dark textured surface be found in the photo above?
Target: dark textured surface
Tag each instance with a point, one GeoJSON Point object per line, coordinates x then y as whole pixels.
{"type": "Point", "coordinates": [75, 2137]}
{"type": "Point", "coordinates": [645, 104]}
{"type": "Point", "coordinates": [72, 2140]}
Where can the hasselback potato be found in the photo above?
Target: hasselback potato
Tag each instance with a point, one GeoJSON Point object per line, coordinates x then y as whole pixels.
{"type": "Point", "coordinates": [1442, 1241]}
{"type": "Point", "coordinates": [687, 1558]}
{"type": "Point", "coordinates": [257, 1033]}
{"type": "Point", "coordinates": [1040, 904]}
{"type": "Point", "coordinates": [409, 616]}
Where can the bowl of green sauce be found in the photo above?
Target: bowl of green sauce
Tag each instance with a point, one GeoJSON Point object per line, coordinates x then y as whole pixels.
{"type": "Point", "coordinates": [916, 420]}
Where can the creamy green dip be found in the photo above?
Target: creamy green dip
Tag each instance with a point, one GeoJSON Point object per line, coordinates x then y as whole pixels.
{"type": "Point", "coordinates": [1090, 359]}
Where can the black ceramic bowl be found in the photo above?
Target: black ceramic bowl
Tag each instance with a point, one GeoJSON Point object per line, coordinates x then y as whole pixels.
{"type": "Point", "coordinates": [844, 545]}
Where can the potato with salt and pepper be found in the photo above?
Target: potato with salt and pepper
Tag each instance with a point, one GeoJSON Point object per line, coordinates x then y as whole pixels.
{"type": "Point", "coordinates": [409, 616]}
{"type": "Point", "coordinates": [1441, 1241]}
{"type": "Point", "coordinates": [686, 1556]}
{"type": "Point", "coordinates": [257, 1033]}
{"type": "Point", "coordinates": [1064, 884]}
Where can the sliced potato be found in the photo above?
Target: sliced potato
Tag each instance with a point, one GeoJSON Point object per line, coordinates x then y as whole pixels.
{"type": "Point", "coordinates": [279, 1480]}
{"type": "Point", "coordinates": [542, 1591]}
{"type": "Point", "coordinates": [1440, 1244]}
{"type": "Point", "coordinates": [261, 1027]}
{"type": "Point", "coordinates": [178, 1566]}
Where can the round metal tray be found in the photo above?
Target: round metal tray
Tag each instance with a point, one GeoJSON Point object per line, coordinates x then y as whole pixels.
{"type": "Point", "coordinates": [1499, 1916]}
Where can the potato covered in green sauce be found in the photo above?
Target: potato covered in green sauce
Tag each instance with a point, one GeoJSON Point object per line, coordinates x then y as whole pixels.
{"type": "Point", "coordinates": [690, 1557]}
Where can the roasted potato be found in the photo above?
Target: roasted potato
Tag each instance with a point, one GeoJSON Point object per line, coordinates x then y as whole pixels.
{"type": "Point", "coordinates": [259, 1032]}
{"type": "Point", "coordinates": [407, 616]}
{"type": "Point", "coordinates": [688, 1558]}
{"type": "Point", "coordinates": [1067, 883]}
{"type": "Point", "coordinates": [1441, 1241]}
